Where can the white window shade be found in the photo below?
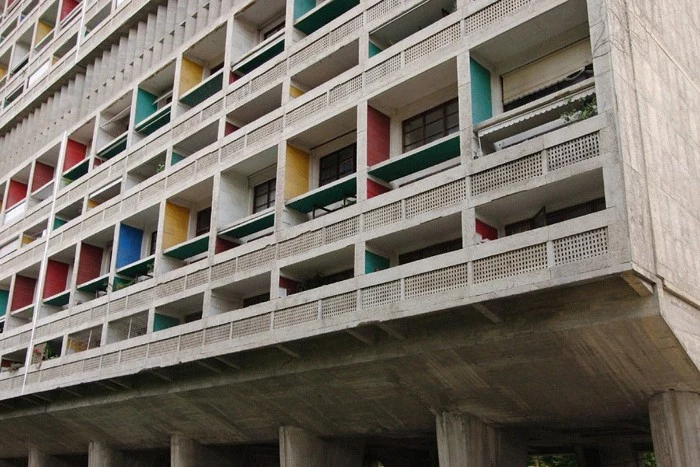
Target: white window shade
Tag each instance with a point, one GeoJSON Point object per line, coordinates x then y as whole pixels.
{"type": "Point", "coordinates": [546, 71]}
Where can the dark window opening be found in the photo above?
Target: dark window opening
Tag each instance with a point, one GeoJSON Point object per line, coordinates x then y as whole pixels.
{"type": "Point", "coordinates": [270, 32]}
{"type": "Point", "coordinates": [203, 221]}
{"type": "Point", "coordinates": [581, 75]}
{"type": "Point", "coordinates": [431, 125]}
{"type": "Point", "coordinates": [152, 246]}
{"type": "Point", "coordinates": [543, 218]}
{"type": "Point", "coordinates": [432, 250]}
{"type": "Point", "coordinates": [319, 280]}
{"type": "Point", "coordinates": [264, 195]}
{"type": "Point", "coordinates": [193, 317]}
{"type": "Point", "coordinates": [215, 69]}
{"type": "Point", "coordinates": [337, 165]}
{"type": "Point", "coordinates": [262, 298]}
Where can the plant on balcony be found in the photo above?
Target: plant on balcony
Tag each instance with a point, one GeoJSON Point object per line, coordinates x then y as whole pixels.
{"type": "Point", "coordinates": [580, 109]}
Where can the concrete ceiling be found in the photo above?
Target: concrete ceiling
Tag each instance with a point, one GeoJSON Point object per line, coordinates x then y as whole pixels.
{"type": "Point", "coordinates": [571, 362]}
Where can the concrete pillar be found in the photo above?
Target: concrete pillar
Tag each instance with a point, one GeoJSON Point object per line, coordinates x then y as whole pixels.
{"type": "Point", "coordinates": [675, 428]}
{"type": "Point", "coordinates": [38, 458]}
{"type": "Point", "coordinates": [618, 455]}
{"type": "Point", "coordinates": [184, 452]}
{"type": "Point", "coordinates": [101, 455]}
{"type": "Point", "coordinates": [466, 441]}
{"type": "Point", "coordinates": [299, 448]}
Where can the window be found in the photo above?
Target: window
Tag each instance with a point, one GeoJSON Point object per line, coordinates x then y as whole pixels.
{"type": "Point", "coordinates": [152, 246]}
{"type": "Point", "coordinates": [272, 30]}
{"type": "Point", "coordinates": [264, 195]}
{"type": "Point", "coordinates": [431, 125]}
{"type": "Point", "coordinates": [203, 221]}
{"type": "Point", "coordinates": [432, 250]}
{"type": "Point", "coordinates": [337, 165]}
{"type": "Point", "coordinates": [543, 218]}
{"type": "Point", "coordinates": [262, 298]}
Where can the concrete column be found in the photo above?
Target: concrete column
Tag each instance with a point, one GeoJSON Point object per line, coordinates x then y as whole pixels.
{"type": "Point", "coordinates": [675, 428]}
{"type": "Point", "coordinates": [466, 441]}
{"type": "Point", "coordinates": [618, 455]}
{"type": "Point", "coordinates": [184, 452]}
{"type": "Point", "coordinates": [299, 448]}
{"type": "Point", "coordinates": [38, 458]}
{"type": "Point", "coordinates": [101, 455]}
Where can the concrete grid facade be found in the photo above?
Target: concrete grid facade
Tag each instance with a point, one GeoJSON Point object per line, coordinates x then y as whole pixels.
{"type": "Point", "coordinates": [362, 233]}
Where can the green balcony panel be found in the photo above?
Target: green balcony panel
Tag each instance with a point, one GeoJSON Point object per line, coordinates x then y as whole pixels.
{"type": "Point", "coordinates": [325, 195]}
{"type": "Point", "coordinates": [145, 105]}
{"type": "Point", "coordinates": [61, 299]}
{"type": "Point", "coordinates": [189, 248]}
{"type": "Point", "coordinates": [77, 171]}
{"type": "Point", "coordinates": [114, 148]}
{"type": "Point", "coordinates": [143, 267]}
{"type": "Point", "coordinates": [481, 92]}
{"type": "Point", "coordinates": [58, 222]}
{"type": "Point", "coordinates": [161, 322]}
{"type": "Point", "coordinates": [250, 227]}
{"type": "Point", "coordinates": [4, 296]}
{"type": "Point", "coordinates": [420, 159]}
{"type": "Point", "coordinates": [204, 90]}
{"type": "Point", "coordinates": [154, 122]}
{"type": "Point", "coordinates": [98, 284]}
{"type": "Point", "coordinates": [375, 262]}
{"type": "Point", "coordinates": [324, 14]}
{"type": "Point", "coordinates": [301, 7]}
{"type": "Point", "coordinates": [260, 57]}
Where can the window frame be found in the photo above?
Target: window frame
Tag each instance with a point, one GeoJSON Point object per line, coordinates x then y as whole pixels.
{"type": "Point", "coordinates": [202, 214]}
{"type": "Point", "coordinates": [445, 131]}
{"type": "Point", "coordinates": [271, 187]}
{"type": "Point", "coordinates": [322, 181]}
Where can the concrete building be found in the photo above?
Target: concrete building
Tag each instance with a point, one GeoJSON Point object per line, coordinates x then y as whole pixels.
{"type": "Point", "coordinates": [349, 233]}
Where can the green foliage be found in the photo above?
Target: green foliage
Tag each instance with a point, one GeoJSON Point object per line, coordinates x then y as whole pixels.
{"type": "Point", "coordinates": [556, 460]}
{"type": "Point", "coordinates": [160, 167]}
{"type": "Point", "coordinates": [581, 109]}
{"type": "Point", "coordinates": [649, 459]}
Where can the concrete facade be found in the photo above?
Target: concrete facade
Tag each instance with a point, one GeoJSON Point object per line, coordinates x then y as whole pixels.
{"type": "Point", "coordinates": [349, 233]}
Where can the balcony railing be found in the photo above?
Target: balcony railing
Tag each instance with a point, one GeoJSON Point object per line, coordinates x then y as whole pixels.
{"type": "Point", "coordinates": [463, 277]}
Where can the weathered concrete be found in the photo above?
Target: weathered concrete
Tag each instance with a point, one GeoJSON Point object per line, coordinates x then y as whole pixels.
{"type": "Point", "coordinates": [675, 428]}
{"type": "Point", "coordinates": [299, 448]}
{"type": "Point", "coordinates": [466, 441]}
{"type": "Point", "coordinates": [101, 455]}
{"type": "Point", "coordinates": [38, 458]}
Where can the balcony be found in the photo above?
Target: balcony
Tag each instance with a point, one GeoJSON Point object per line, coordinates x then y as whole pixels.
{"type": "Point", "coordinates": [259, 55]}
{"type": "Point", "coordinates": [202, 69]}
{"type": "Point", "coordinates": [343, 191]}
{"type": "Point", "coordinates": [310, 17]}
{"type": "Point", "coordinates": [570, 251]}
{"type": "Point", "coordinates": [153, 101]}
{"type": "Point", "coordinates": [249, 225]}
{"type": "Point", "coordinates": [188, 218]}
{"type": "Point", "coordinates": [418, 159]}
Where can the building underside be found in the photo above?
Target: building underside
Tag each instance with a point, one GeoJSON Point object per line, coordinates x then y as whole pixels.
{"type": "Point", "coordinates": [382, 384]}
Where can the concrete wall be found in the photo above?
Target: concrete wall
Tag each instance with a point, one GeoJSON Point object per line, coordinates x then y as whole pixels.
{"type": "Point", "coordinates": [653, 47]}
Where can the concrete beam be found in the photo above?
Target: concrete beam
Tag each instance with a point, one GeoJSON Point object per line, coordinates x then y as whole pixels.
{"type": "Point", "coordinates": [638, 284]}
{"type": "Point", "coordinates": [299, 448]}
{"type": "Point", "coordinates": [466, 441]}
{"type": "Point", "coordinates": [101, 455]}
{"type": "Point", "coordinates": [675, 428]}
{"type": "Point", "coordinates": [491, 311]}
